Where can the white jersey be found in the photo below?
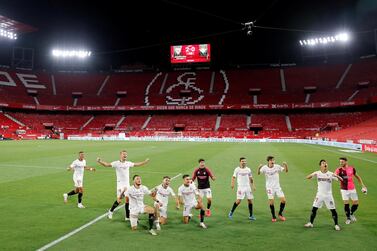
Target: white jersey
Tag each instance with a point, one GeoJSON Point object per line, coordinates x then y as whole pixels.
{"type": "Point", "coordinates": [136, 196]}
{"type": "Point", "coordinates": [162, 194]}
{"type": "Point", "coordinates": [272, 175]}
{"type": "Point", "coordinates": [243, 176]}
{"type": "Point", "coordinates": [188, 193]}
{"type": "Point", "coordinates": [123, 171]}
{"type": "Point", "coordinates": [324, 182]}
{"type": "Point", "coordinates": [78, 167]}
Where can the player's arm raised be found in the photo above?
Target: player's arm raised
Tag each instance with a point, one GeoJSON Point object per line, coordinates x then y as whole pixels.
{"type": "Point", "coordinates": [142, 163]}
{"type": "Point", "coordinates": [103, 163]}
{"type": "Point", "coordinates": [285, 165]}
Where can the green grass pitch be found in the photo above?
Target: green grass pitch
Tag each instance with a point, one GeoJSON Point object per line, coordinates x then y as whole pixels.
{"type": "Point", "coordinates": [34, 177]}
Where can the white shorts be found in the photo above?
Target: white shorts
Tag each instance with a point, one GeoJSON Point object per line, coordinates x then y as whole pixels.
{"type": "Point", "coordinates": [205, 192]}
{"type": "Point", "coordinates": [121, 186]}
{"type": "Point", "coordinates": [187, 208]}
{"type": "Point", "coordinates": [349, 194]}
{"type": "Point", "coordinates": [134, 215]}
{"type": "Point", "coordinates": [272, 192]}
{"type": "Point", "coordinates": [163, 210]}
{"type": "Point", "coordinates": [244, 191]}
{"type": "Point", "coordinates": [78, 181]}
{"type": "Point", "coordinates": [327, 199]}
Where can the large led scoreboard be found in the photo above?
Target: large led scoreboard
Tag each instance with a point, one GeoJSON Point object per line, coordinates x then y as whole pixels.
{"type": "Point", "coordinates": [193, 53]}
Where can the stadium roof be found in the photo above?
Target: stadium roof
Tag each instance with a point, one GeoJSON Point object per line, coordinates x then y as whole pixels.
{"type": "Point", "coordinates": [15, 26]}
{"type": "Point", "coordinates": [141, 31]}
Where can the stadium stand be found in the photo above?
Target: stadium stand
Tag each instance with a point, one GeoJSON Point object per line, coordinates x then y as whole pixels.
{"type": "Point", "coordinates": [290, 87]}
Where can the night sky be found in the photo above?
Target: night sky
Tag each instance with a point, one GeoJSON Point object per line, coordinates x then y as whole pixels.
{"type": "Point", "coordinates": [129, 32]}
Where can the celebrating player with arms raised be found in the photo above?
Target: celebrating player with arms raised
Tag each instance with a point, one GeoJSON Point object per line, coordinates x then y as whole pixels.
{"type": "Point", "coordinates": [122, 168]}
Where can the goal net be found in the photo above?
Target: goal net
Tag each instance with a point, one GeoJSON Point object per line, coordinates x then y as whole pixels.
{"type": "Point", "coordinates": [168, 134]}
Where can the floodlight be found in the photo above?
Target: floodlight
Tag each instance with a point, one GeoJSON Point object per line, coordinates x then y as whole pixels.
{"type": "Point", "coordinates": [340, 37]}
{"type": "Point", "coordinates": [71, 53]}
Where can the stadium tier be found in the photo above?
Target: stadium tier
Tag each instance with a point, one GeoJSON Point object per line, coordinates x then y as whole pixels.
{"type": "Point", "coordinates": [41, 103]}
{"type": "Point", "coordinates": [329, 83]}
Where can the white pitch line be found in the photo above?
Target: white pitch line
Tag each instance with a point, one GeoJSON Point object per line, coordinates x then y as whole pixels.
{"type": "Point", "coordinates": [350, 155]}
{"type": "Point", "coordinates": [53, 243]}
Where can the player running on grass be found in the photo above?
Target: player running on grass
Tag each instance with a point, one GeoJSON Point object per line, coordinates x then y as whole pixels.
{"type": "Point", "coordinates": [203, 173]}
{"type": "Point", "coordinates": [122, 168]}
{"type": "Point", "coordinates": [271, 171]}
{"type": "Point", "coordinates": [78, 166]}
{"type": "Point", "coordinates": [244, 183]}
{"type": "Point", "coordinates": [136, 194]}
{"type": "Point", "coordinates": [324, 193]}
{"type": "Point", "coordinates": [187, 193]}
{"type": "Point", "coordinates": [347, 188]}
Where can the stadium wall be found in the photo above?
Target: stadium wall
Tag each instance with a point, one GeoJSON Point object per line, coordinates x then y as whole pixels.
{"type": "Point", "coordinates": [352, 146]}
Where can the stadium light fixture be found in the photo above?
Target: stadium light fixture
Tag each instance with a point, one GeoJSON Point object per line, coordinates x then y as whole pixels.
{"type": "Point", "coordinates": [338, 38]}
{"type": "Point", "coordinates": [8, 34]}
{"type": "Point", "coordinates": [71, 53]}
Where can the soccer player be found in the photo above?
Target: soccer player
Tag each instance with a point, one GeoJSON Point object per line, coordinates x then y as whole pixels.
{"type": "Point", "coordinates": [122, 168]}
{"type": "Point", "coordinates": [244, 183]}
{"type": "Point", "coordinates": [324, 193]}
{"type": "Point", "coordinates": [136, 193]}
{"type": "Point", "coordinates": [163, 191]}
{"type": "Point", "coordinates": [271, 171]}
{"type": "Point", "coordinates": [186, 195]}
{"type": "Point", "coordinates": [78, 166]}
{"type": "Point", "coordinates": [347, 188]}
{"type": "Point", "coordinates": [203, 173]}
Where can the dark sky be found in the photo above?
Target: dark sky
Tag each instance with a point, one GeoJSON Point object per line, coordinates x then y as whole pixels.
{"type": "Point", "coordinates": [141, 31]}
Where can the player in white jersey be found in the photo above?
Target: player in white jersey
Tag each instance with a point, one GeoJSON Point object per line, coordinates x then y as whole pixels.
{"type": "Point", "coordinates": [271, 171]}
{"type": "Point", "coordinates": [189, 197]}
{"type": "Point", "coordinates": [122, 168]}
{"type": "Point", "coordinates": [163, 191]}
{"type": "Point", "coordinates": [324, 193]}
{"type": "Point", "coordinates": [136, 194]}
{"type": "Point", "coordinates": [78, 166]}
{"type": "Point", "coordinates": [244, 183]}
